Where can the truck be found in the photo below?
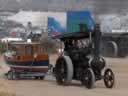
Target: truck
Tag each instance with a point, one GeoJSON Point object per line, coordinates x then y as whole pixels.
{"type": "Point", "coordinates": [114, 44]}
{"type": "Point", "coordinates": [114, 35]}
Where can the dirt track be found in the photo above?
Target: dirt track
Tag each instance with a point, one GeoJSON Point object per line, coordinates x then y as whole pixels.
{"type": "Point", "coordinates": [48, 87]}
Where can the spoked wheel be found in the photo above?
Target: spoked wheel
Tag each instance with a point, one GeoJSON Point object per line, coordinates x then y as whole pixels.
{"type": "Point", "coordinates": [109, 78]}
{"type": "Point", "coordinates": [88, 78]}
{"type": "Point", "coordinates": [11, 75]}
{"type": "Point", "coordinates": [64, 70]}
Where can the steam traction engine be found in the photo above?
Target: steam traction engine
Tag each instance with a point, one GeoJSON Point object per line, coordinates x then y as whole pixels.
{"type": "Point", "coordinates": [81, 60]}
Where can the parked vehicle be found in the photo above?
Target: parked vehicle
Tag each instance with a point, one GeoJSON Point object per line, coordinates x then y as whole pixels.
{"type": "Point", "coordinates": [115, 34]}
{"type": "Point", "coordinates": [114, 44]}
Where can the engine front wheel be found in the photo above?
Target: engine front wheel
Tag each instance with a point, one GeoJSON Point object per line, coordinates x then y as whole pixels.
{"type": "Point", "coordinates": [109, 78]}
{"type": "Point", "coordinates": [88, 78]}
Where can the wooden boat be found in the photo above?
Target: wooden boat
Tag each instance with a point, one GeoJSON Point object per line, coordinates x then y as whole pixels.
{"type": "Point", "coordinates": [27, 58]}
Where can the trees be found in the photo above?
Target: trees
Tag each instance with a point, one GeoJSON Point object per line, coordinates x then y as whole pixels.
{"type": "Point", "coordinates": [2, 47]}
{"type": "Point", "coordinates": [48, 43]}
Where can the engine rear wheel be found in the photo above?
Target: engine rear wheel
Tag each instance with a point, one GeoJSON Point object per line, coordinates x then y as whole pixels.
{"type": "Point", "coordinates": [64, 70]}
{"type": "Point", "coordinates": [109, 78]}
{"type": "Point", "coordinates": [88, 78]}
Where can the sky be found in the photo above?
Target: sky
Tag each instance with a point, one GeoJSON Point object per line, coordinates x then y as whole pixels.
{"type": "Point", "coordinates": [96, 6]}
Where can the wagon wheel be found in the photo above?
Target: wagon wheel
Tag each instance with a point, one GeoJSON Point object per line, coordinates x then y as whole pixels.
{"type": "Point", "coordinates": [42, 77]}
{"type": "Point", "coordinates": [88, 78]}
{"type": "Point", "coordinates": [109, 78]}
{"type": "Point", "coordinates": [64, 70]}
{"type": "Point", "coordinates": [11, 75]}
{"type": "Point", "coordinates": [36, 77]}
{"type": "Point", "coordinates": [39, 77]}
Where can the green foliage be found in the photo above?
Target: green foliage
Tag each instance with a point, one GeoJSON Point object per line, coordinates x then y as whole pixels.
{"type": "Point", "coordinates": [48, 44]}
{"type": "Point", "coordinates": [12, 47]}
{"type": "Point", "coordinates": [3, 47]}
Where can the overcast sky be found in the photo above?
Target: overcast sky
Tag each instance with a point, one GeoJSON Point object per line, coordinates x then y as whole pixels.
{"type": "Point", "coordinates": [97, 6]}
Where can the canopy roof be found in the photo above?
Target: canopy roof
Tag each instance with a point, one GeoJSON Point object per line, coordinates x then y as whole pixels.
{"type": "Point", "coordinates": [73, 35]}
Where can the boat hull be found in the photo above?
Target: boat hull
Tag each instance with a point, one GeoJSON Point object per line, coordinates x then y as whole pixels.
{"type": "Point", "coordinates": [28, 66]}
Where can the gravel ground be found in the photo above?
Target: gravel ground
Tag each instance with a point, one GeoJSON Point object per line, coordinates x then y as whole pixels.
{"type": "Point", "coordinates": [48, 87]}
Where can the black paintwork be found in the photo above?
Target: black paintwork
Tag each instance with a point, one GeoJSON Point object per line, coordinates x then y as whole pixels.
{"type": "Point", "coordinates": [79, 55]}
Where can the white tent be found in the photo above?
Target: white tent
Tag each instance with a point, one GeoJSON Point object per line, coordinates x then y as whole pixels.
{"type": "Point", "coordinates": [114, 23]}
{"type": "Point", "coordinates": [36, 18]}
{"type": "Point", "coordinates": [9, 39]}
